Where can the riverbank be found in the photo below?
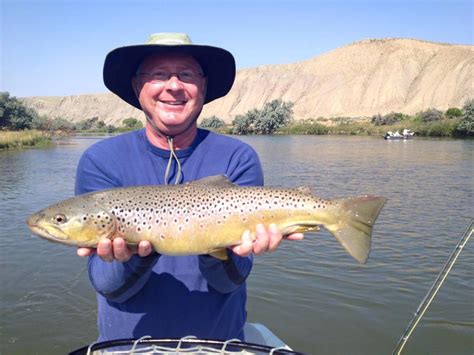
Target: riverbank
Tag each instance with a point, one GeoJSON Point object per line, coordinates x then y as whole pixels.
{"type": "Point", "coordinates": [21, 139]}
{"type": "Point", "coordinates": [441, 128]}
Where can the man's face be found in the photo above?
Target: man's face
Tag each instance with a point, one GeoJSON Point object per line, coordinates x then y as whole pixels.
{"type": "Point", "coordinates": [173, 105]}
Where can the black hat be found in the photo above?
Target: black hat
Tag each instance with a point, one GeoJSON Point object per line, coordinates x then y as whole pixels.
{"type": "Point", "coordinates": [121, 65]}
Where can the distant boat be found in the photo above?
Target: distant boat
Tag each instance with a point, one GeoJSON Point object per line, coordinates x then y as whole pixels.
{"type": "Point", "coordinates": [407, 134]}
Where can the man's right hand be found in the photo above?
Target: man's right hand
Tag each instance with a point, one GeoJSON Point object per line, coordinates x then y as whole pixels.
{"type": "Point", "coordinates": [117, 249]}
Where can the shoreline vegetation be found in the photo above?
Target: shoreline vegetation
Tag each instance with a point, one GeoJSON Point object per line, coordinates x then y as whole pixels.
{"type": "Point", "coordinates": [276, 118]}
{"type": "Point", "coordinates": [22, 126]}
{"type": "Point", "coordinates": [24, 139]}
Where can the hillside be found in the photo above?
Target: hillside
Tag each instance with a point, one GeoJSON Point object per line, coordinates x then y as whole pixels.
{"type": "Point", "coordinates": [360, 79]}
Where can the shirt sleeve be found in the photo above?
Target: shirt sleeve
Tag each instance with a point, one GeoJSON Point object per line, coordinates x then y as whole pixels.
{"type": "Point", "coordinates": [226, 276]}
{"type": "Point", "coordinates": [117, 281]}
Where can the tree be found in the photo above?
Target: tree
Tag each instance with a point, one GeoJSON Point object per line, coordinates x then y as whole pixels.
{"type": "Point", "coordinates": [61, 124]}
{"type": "Point", "coordinates": [87, 124]}
{"type": "Point", "coordinates": [453, 112]}
{"type": "Point", "coordinates": [275, 114]}
{"type": "Point", "coordinates": [14, 114]}
{"type": "Point", "coordinates": [466, 126]}
{"type": "Point", "coordinates": [132, 123]}
{"type": "Point", "coordinates": [431, 115]}
{"type": "Point", "coordinates": [244, 124]}
{"type": "Point", "coordinates": [212, 122]}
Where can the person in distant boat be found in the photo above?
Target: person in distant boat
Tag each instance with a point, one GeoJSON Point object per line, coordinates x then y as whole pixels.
{"type": "Point", "coordinates": [144, 293]}
{"type": "Point", "coordinates": [407, 133]}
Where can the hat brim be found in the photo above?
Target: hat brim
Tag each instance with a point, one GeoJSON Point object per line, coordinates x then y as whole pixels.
{"type": "Point", "coordinates": [121, 64]}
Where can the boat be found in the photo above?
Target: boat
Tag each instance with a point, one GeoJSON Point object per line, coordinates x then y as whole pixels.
{"type": "Point", "coordinates": [258, 340]}
{"type": "Point", "coordinates": [406, 134]}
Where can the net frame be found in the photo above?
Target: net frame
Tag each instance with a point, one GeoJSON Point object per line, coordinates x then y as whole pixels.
{"type": "Point", "coordinates": [185, 345]}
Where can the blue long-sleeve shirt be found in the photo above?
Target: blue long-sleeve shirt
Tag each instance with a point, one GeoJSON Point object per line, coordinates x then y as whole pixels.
{"type": "Point", "coordinates": [159, 295]}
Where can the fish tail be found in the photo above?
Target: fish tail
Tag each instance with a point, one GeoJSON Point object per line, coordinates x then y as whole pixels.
{"type": "Point", "coordinates": [355, 218]}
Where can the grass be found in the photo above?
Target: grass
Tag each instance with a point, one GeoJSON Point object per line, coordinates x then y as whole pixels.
{"type": "Point", "coordinates": [441, 128]}
{"type": "Point", "coordinates": [21, 139]}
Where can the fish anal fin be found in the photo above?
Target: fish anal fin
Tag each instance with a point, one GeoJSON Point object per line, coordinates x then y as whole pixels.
{"type": "Point", "coordinates": [299, 228]}
{"type": "Point", "coordinates": [305, 189]}
{"type": "Point", "coordinates": [215, 180]}
{"type": "Point", "coordinates": [220, 254]}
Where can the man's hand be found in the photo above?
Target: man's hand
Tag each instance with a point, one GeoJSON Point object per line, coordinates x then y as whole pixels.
{"type": "Point", "coordinates": [117, 249]}
{"type": "Point", "coordinates": [265, 241]}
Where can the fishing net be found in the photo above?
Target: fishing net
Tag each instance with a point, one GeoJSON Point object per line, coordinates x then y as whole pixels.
{"type": "Point", "coordinates": [186, 345]}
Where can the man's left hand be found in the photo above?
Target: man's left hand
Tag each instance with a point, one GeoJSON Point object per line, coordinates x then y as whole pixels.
{"type": "Point", "coordinates": [265, 240]}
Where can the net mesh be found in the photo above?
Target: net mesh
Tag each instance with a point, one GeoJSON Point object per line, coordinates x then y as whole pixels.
{"type": "Point", "coordinates": [185, 345]}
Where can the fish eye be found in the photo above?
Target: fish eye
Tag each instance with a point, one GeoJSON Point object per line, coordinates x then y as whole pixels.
{"type": "Point", "coordinates": [60, 218]}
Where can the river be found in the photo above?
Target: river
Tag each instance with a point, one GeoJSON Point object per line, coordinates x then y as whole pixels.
{"type": "Point", "coordinates": [310, 293]}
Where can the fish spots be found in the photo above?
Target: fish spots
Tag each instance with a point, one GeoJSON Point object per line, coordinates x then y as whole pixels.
{"type": "Point", "coordinates": [168, 210]}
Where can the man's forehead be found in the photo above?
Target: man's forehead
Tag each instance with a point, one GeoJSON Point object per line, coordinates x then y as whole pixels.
{"type": "Point", "coordinates": [171, 59]}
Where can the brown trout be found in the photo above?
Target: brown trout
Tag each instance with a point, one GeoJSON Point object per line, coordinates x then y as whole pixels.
{"type": "Point", "coordinates": [204, 216]}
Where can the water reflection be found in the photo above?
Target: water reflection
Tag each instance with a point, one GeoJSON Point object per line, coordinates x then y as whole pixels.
{"type": "Point", "coordinates": [311, 293]}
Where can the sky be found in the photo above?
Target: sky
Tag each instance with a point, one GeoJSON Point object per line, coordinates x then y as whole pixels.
{"type": "Point", "coordinates": [58, 47]}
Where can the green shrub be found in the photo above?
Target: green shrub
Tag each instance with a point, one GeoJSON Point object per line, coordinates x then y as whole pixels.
{"type": "Point", "coordinates": [307, 127]}
{"type": "Point", "coordinates": [466, 124]}
{"type": "Point", "coordinates": [243, 124]}
{"type": "Point", "coordinates": [453, 112]}
{"type": "Point", "coordinates": [212, 122]}
{"type": "Point", "coordinates": [430, 115]}
{"type": "Point", "coordinates": [274, 115]}
{"type": "Point", "coordinates": [388, 119]}
{"type": "Point", "coordinates": [14, 115]}
{"type": "Point", "coordinates": [132, 123]}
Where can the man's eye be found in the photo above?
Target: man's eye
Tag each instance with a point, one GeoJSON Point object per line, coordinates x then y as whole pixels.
{"type": "Point", "coordinates": [160, 75]}
{"type": "Point", "coordinates": [186, 75]}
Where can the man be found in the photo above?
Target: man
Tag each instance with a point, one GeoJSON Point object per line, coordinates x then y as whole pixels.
{"type": "Point", "coordinates": [170, 79]}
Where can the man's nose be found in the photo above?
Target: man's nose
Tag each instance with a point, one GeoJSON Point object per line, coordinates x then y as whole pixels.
{"type": "Point", "coordinates": [173, 83]}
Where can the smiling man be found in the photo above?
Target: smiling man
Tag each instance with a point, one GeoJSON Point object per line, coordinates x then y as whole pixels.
{"type": "Point", "coordinates": [143, 293]}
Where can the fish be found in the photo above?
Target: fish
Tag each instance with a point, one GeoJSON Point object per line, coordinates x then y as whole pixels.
{"type": "Point", "coordinates": [205, 216]}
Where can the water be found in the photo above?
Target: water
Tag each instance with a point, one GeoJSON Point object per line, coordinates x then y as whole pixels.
{"type": "Point", "coordinates": [310, 293]}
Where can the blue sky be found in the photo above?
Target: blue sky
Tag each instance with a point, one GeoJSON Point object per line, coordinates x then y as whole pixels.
{"type": "Point", "coordinates": [57, 47]}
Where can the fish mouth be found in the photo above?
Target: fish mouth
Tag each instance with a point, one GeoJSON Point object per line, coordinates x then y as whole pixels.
{"type": "Point", "coordinates": [59, 236]}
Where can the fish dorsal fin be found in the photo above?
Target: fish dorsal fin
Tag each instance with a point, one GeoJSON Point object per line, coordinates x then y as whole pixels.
{"type": "Point", "coordinates": [216, 180]}
{"type": "Point", "coordinates": [304, 189]}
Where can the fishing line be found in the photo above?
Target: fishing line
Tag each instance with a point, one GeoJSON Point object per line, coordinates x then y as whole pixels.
{"type": "Point", "coordinates": [425, 303]}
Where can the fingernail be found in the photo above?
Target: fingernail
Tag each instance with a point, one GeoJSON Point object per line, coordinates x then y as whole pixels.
{"type": "Point", "coordinates": [247, 234]}
{"type": "Point", "coordinates": [260, 228]}
{"type": "Point", "coordinates": [273, 228]}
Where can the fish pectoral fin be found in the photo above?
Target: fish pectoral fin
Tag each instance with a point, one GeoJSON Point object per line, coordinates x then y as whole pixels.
{"type": "Point", "coordinates": [219, 254]}
{"type": "Point", "coordinates": [299, 228]}
{"type": "Point", "coordinates": [215, 181]}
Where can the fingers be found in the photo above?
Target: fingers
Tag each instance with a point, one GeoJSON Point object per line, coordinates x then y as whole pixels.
{"type": "Point", "coordinates": [295, 236]}
{"type": "Point", "coordinates": [144, 248]}
{"type": "Point", "coordinates": [104, 250]}
{"type": "Point", "coordinates": [120, 250]}
{"type": "Point", "coordinates": [262, 240]}
{"type": "Point", "coordinates": [275, 237]}
{"type": "Point", "coordinates": [83, 252]}
{"type": "Point", "coordinates": [246, 246]}
{"type": "Point", "coordinates": [117, 249]}
{"type": "Point", "coordinates": [266, 240]}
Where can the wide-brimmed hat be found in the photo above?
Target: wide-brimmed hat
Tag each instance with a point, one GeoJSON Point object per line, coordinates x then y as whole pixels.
{"type": "Point", "coordinates": [121, 64]}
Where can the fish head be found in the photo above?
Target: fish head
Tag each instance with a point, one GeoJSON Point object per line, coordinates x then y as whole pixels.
{"type": "Point", "coordinates": [78, 221]}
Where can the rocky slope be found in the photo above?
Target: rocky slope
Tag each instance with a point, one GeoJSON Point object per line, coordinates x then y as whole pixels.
{"type": "Point", "coordinates": [360, 79]}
